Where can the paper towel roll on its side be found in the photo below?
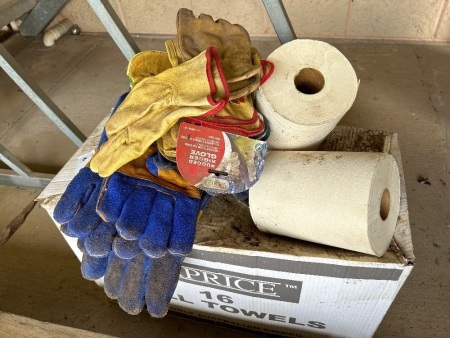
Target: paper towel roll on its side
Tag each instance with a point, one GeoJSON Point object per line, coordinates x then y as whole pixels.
{"type": "Point", "coordinates": [342, 199]}
{"type": "Point", "coordinates": [312, 87]}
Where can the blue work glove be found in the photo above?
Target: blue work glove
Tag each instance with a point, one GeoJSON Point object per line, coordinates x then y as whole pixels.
{"type": "Point", "coordinates": [140, 260]}
{"type": "Point", "coordinates": [134, 279]}
{"type": "Point", "coordinates": [92, 267]}
{"type": "Point", "coordinates": [155, 210]}
{"type": "Point", "coordinates": [76, 210]}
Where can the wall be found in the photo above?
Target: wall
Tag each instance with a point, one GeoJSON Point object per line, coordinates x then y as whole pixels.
{"type": "Point", "coordinates": [409, 20]}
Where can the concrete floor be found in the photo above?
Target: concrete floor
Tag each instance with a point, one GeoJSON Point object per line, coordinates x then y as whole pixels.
{"type": "Point", "coordinates": [404, 88]}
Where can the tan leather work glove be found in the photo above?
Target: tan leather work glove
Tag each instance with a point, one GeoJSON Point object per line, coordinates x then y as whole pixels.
{"type": "Point", "coordinates": [232, 42]}
{"type": "Point", "coordinates": [156, 103]}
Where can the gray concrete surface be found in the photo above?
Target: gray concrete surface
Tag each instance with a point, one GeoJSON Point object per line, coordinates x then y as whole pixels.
{"type": "Point", "coordinates": [405, 88]}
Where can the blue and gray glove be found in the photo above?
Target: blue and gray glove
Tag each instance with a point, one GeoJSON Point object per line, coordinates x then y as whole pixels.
{"type": "Point", "coordinates": [155, 212]}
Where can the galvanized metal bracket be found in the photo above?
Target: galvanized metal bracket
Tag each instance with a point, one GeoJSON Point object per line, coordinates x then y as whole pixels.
{"type": "Point", "coordinates": [20, 174]}
{"type": "Point", "coordinates": [115, 27]}
{"type": "Point", "coordinates": [40, 16]}
{"type": "Point", "coordinates": [12, 10]}
{"type": "Point", "coordinates": [39, 97]}
{"type": "Point", "coordinates": [280, 20]}
{"type": "Point", "coordinates": [24, 176]}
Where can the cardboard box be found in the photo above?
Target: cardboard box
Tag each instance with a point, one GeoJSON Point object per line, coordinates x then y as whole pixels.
{"type": "Point", "coordinates": [240, 276]}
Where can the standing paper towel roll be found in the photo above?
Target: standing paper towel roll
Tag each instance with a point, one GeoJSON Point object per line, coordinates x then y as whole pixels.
{"type": "Point", "coordinates": [343, 199]}
{"type": "Point", "coordinates": [312, 87]}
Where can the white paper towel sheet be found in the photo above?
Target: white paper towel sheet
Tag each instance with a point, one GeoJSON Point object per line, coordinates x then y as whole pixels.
{"type": "Point", "coordinates": [312, 87]}
{"type": "Point", "coordinates": [343, 199]}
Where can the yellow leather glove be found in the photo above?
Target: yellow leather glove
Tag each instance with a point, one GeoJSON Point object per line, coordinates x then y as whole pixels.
{"type": "Point", "coordinates": [156, 103]}
{"type": "Point", "coordinates": [237, 117]}
{"type": "Point", "coordinates": [146, 64]}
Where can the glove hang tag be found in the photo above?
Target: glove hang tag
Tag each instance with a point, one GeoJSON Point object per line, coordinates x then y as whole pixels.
{"type": "Point", "coordinates": [218, 162]}
{"type": "Point", "coordinates": [83, 159]}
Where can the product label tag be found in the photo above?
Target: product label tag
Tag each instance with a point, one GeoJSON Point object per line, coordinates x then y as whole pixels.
{"type": "Point", "coordinates": [82, 160]}
{"type": "Point", "coordinates": [219, 162]}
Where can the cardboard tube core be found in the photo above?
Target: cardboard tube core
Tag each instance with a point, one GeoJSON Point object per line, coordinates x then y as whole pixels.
{"type": "Point", "coordinates": [309, 81]}
{"type": "Point", "coordinates": [385, 204]}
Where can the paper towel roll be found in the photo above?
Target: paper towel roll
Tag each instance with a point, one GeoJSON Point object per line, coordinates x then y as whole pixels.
{"type": "Point", "coordinates": [312, 87]}
{"type": "Point", "coordinates": [343, 199]}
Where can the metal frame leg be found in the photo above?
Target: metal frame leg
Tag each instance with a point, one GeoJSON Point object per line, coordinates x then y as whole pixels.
{"type": "Point", "coordinates": [25, 177]}
{"type": "Point", "coordinates": [280, 20]}
{"type": "Point", "coordinates": [115, 27]}
{"type": "Point", "coordinates": [40, 16]}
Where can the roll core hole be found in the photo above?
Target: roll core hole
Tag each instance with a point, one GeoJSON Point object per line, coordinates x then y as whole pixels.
{"type": "Point", "coordinates": [385, 204]}
{"type": "Point", "coordinates": [309, 81]}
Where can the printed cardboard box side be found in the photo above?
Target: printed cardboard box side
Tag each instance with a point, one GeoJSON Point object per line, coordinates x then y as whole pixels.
{"type": "Point", "coordinates": [237, 275]}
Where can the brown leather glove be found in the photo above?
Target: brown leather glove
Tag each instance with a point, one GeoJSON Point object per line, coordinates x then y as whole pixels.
{"type": "Point", "coordinates": [194, 35]}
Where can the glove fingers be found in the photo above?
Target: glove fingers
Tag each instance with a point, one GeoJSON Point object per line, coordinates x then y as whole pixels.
{"type": "Point", "coordinates": [102, 158]}
{"type": "Point", "coordinates": [162, 279]}
{"type": "Point", "coordinates": [156, 236]}
{"type": "Point", "coordinates": [115, 191]}
{"type": "Point", "coordinates": [99, 242]}
{"type": "Point", "coordinates": [86, 220]}
{"type": "Point", "coordinates": [116, 152]}
{"type": "Point", "coordinates": [80, 245]}
{"type": "Point", "coordinates": [63, 228]}
{"type": "Point", "coordinates": [76, 194]}
{"type": "Point", "coordinates": [133, 219]}
{"type": "Point", "coordinates": [126, 249]}
{"type": "Point", "coordinates": [92, 268]}
{"type": "Point", "coordinates": [184, 223]}
{"type": "Point", "coordinates": [132, 291]}
{"type": "Point", "coordinates": [114, 275]}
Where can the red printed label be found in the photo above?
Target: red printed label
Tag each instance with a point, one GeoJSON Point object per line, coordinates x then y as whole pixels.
{"type": "Point", "coordinates": [216, 161]}
{"type": "Point", "coordinates": [199, 151]}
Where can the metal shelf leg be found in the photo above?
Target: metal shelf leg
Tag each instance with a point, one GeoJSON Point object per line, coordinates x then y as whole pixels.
{"type": "Point", "coordinates": [115, 27]}
{"type": "Point", "coordinates": [280, 20]}
{"type": "Point", "coordinates": [35, 93]}
{"type": "Point", "coordinates": [24, 177]}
